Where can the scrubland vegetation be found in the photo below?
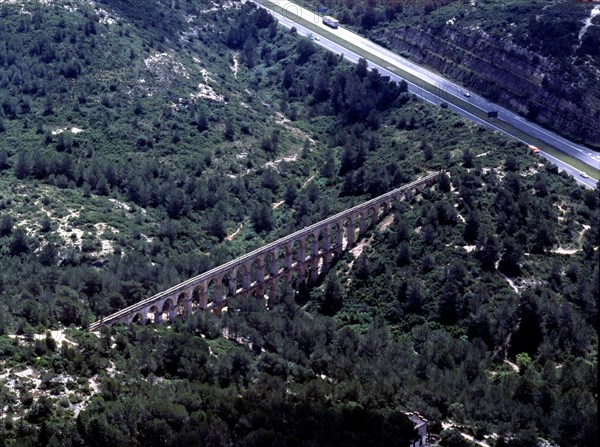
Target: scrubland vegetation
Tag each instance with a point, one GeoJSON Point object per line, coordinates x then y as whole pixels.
{"type": "Point", "coordinates": [143, 143]}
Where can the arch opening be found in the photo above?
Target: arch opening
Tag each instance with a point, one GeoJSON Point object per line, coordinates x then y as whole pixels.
{"type": "Point", "coordinates": [167, 311]}
{"type": "Point", "coordinates": [138, 318]}
{"type": "Point", "coordinates": [214, 291]}
{"type": "Point", "coordinates": [373, 216]}
{"type": "Point", "coordinates": [154, 315]}
{"type": "Point", "coordinates": [271, 268]}
{"type": "Point", "coordinates": [198, 298]}
{"type": "Point", "coordinates": [337, 236]}
{"type": "Point", "coordinates": [298, 252]}
{"type": "Point", "coordinates": [231, 284]}
{"type": "Point", "coordinates": [349, 233]}
{"type": "Point", "coordinates": [312, 246]}
{"type": "Point", "coordinates": [182, 305]}
{"type": "Point", "coordinates": [254, 273]}
{"type": "Point", "coordinates": [324, 239]}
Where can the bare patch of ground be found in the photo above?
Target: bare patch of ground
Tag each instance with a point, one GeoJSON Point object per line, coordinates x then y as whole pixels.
{"type": "Point", "coordinates": [386, 222]}
{"type": "Point", "coordinates": [235, 233]}
{"type": "Point", "coordinates": [225, 5]}
{"type": "Point", "coordinates": [529, 172]}
{"type": "Point", "coordinates": [205, 90]}
{"type": "Point", "coordinates": [165, 67]}
{"type": "Point", "coordinates": [73, 130]}
{"type": "Point", "coordinates": [121, 205]}
{"type": "Point", "coordinates": [236, 64]}
{"type": "Point", "coordinates": [107, 244]}
{"type": "Point", "coordinates": [65, 230]}
{"type": "Point", "coordinates": [360, 247]}
{"type": "Point", "coordinates": [289, 159]}
{"type": "Point", "coordinates": [587, 23]}
{"type": "Point", "coordinates": [511, 283]}
{"type": "Point", "coordinates": [57, 335]}
{"type": "Point", "coordinates": [285, 122]}
{"type": "Point", "coordinates": [468, 437]}
{"type": "Point", "coordinates": [37, 382]}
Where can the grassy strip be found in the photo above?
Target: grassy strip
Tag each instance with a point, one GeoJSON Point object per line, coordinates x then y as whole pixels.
{"type": "Point", "coordinates": [577, 164]}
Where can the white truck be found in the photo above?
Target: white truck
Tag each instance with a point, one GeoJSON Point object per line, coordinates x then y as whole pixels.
{"type": "Point", "coordinates": [330, 21]}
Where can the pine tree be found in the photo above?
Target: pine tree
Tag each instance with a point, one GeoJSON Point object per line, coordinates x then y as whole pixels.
{"type": "Point", "coordinates": [333, 298]}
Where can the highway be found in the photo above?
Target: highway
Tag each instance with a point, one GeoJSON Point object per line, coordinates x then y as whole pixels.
{"type": "Point", "coordinates": [443, 88]}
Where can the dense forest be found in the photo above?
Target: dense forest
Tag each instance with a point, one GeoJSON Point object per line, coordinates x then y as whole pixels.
{"type": "Point", "coordinates": [143, 143]}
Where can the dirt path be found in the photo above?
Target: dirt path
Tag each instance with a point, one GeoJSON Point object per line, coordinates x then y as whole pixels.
{"type": "Point", "coordinates": [565, 251]}
{"type": "Point", "coordinates": [510, 281]}
{"type": "Point", "coordinates": [235, 233]}
{"type": "Point", "coordinates": [513, 366]}
{"type": "Point", "coordinates": [582, 232]}
{"type": "Point", "coordinates": [285, 122]}
{"type": "Point", "coordinates": [569, 249]}
{"type": "Point", "coordinates": [310, 179]}
{"type": "Point", "coordinates": [450, 424]}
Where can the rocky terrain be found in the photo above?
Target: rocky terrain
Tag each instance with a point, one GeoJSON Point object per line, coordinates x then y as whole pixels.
{"type": "Point", "coordinates": [537, 57]}
{"type": "Point", "coordinates": [508, 73]}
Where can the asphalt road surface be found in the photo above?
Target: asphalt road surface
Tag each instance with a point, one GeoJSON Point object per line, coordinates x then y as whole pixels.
{"type": "Point", "coordinates": [442, 87]}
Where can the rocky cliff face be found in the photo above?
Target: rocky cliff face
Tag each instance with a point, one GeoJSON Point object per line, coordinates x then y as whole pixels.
{"type": "Point", "coordinates": [511, 75]}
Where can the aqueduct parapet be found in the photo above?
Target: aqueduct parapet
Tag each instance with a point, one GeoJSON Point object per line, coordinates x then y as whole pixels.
{"type": "Point", "coordinates": [259, 270]}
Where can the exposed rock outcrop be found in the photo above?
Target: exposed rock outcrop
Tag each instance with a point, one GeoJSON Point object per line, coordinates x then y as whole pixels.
{"type": "Point", "coordinates": [509, 74]}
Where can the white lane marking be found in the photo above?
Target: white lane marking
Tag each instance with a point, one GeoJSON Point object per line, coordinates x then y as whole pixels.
{"type": "Point", "coordinates": [423, 95]}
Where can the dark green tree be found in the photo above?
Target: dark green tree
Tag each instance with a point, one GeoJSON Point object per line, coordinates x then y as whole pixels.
{"type": "Point", "coordinates": [262, 218]}
{"type": "Point", "coordinates": [333, 297]}
{"type": "Point", "coordinates": [22, 165]}
{"type": "Point", "coordinates": [19, 243]}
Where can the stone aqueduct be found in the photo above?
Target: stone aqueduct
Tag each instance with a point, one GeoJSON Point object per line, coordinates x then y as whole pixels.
{"type": "Point", "coordinates": [282, 263]}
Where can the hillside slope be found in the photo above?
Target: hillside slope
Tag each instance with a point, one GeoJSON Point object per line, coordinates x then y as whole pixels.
{"type": "Point", "coordinates": [536, 57]}
{"type": "Point", "coordinates": [143, 142]}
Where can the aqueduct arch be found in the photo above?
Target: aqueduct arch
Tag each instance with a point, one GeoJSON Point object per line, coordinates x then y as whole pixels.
{"type": "Point", "coordinates": [300, 256]}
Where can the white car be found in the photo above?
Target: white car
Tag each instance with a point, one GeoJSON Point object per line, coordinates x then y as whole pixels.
{"type": "Point", "coordinates": [316, 38]}
{"type": "Point", "coordinates": [467, 94]}
{"type": "Point", "coordinates": [583, 174]}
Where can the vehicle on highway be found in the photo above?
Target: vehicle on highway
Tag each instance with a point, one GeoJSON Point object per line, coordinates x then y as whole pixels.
{"type": "Point", "coordinates": [316, 38]}
{"type": "Point", "coordinates": [583, 174]}
{"type": "Point", "coordinates": [467, 94]}
{"type": "Point", "coordinates": [330, 21]}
